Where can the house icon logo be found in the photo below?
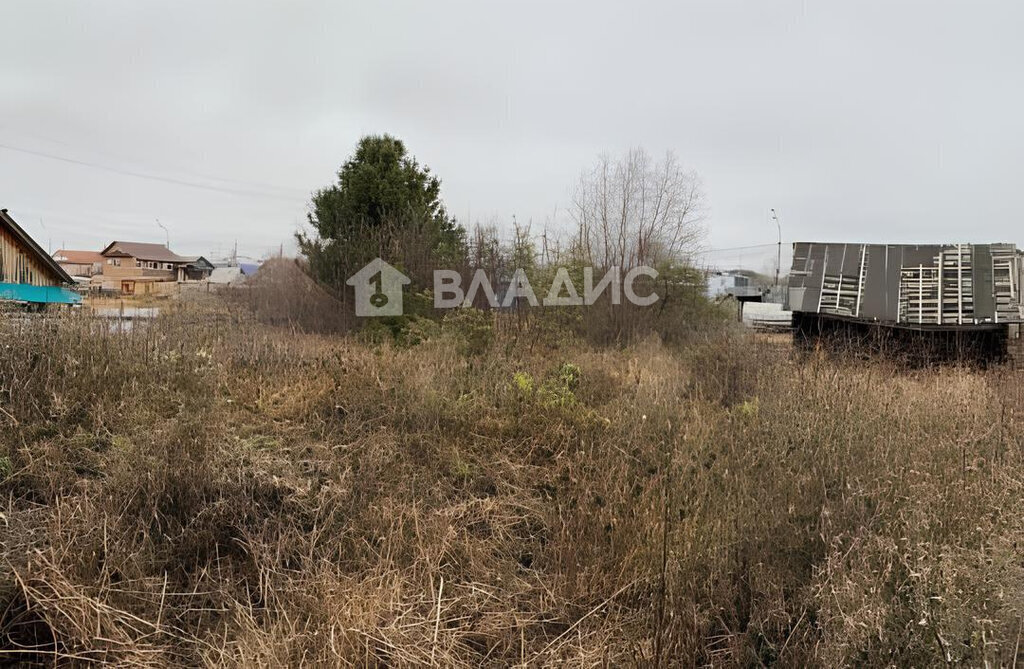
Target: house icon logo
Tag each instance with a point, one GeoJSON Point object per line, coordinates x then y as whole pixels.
{"type": "Point", "coordinates": [378, 289]}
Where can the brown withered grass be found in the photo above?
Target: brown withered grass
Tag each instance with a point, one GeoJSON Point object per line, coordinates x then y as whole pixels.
{"type": "Point", "coordinates": [208, 490]}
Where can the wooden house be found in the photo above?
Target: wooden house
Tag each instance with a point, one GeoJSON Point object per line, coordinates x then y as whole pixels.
{"type": "Point", "coordinates": [137, 268]}
{"type": "Point", "coordinates": [27, 273]}
{"type": "Point", "coordinates": [80, 263]}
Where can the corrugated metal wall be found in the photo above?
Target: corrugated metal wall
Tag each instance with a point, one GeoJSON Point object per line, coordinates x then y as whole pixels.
{"type": "Point", "coordinates": [926, 284]}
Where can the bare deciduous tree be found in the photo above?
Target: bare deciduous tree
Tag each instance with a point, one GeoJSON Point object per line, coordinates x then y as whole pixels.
{"type": "Point", "coordinates": [637, 211]}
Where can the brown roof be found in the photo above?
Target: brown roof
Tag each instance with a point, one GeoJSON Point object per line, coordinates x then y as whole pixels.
{"type": "Point", "coordinates": [78, 257]}
{"type": "Point", "coordinates": [19, 234]}
{"type": "Point", "coordinates": [142, 251]}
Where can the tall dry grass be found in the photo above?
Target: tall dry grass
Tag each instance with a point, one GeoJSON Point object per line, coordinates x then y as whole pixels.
{"type": "Point", "coordinates": [208, 490]}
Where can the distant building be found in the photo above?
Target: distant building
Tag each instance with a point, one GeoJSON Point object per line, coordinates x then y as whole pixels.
{"type": "Point", "coordinates": [227, 276]}
{"type": "Point", "coordinates": [134, 268]}
{"type": "Point", "coordinates": [197, 268]}
{"type": "Point", "coordinates": [27, 273]}
{"type": "Point", "coordinates": [734, 284]}
{"type": "Point", "coordinates": [80, 263]}
{"type": "Point", "coordinates": [249, 268]}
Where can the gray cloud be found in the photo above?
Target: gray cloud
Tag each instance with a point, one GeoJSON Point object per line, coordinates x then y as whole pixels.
{"type": "Point", "coordinates": [881, 121]}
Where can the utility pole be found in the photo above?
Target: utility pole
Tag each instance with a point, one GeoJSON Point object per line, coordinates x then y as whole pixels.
{"type": "Point", "coordinates": [168, 234]}
{"type": "Point", "coordinates": [778, 260]}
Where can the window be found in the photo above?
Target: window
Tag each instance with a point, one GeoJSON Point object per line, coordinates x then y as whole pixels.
{"type": "Point", "coordinates": [138, 263]}
{"type": "Point", "coordinates": [153, 264]}
{"type": "Point", "coordinates": [116, 262]}
{"type": "Point", "coordinates": [168, 265]}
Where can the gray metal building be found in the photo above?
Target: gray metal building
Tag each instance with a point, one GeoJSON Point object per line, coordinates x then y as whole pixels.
{"type": "Point", "coordinates": [936, 300]}
{"type": "Point", "coordinates": [921, 284]}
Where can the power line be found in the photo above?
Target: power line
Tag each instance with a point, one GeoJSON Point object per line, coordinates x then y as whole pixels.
{"type": "Point", "coordinates": [144, 175]}
{"type": "Point", "coordinates": [735, 248]}
{"type": "Point", "coordinates": [237, 191]}
{"type": "Point", "coordinates": [99, 227]}
{"type": "Point", "coordinates": [191, 173]}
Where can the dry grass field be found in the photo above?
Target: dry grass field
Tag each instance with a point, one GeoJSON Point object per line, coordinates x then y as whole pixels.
{"type": "Point", "coordinates": [211, 490]}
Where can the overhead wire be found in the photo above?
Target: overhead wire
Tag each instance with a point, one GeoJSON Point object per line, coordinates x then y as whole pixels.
{"type": "Point", "coordinates": [735, 248]}
{"type": "Point", "coordinates": [250, 192]}
{"type": "Point", "coordinates": [150, 176]}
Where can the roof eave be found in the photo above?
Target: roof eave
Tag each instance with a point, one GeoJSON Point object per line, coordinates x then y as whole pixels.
{"type": "Point", "coordinates": [36, 248]}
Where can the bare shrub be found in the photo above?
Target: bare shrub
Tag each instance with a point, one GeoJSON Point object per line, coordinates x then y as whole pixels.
{"type": "Point", "coordinates": [282, 293]}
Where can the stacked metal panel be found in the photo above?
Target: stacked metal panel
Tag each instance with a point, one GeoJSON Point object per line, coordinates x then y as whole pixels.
{"type": "Point", "coordinates": [1006, 275]}
{"type": "Point", "coordinates": [956, 268]}
{"type": "Point", "coordinates": [920, 294]}
{"type": "Point", "coordinates": [926, 284]}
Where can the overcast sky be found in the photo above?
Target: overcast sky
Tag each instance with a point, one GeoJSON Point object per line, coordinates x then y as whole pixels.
{"type": "Point", "coordinates": [857, 121]}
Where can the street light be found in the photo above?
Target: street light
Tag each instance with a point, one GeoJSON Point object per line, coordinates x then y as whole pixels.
{"type": "Point", "coordinates": [778, 260]}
